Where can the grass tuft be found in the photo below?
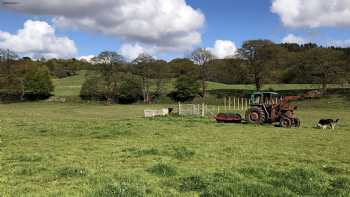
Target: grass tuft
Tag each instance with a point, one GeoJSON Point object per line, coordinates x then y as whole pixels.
{"type": "Point", "coordinates": [302, 181]}
{"type": "Point", "coordinates": [72, 172]}
{"type": "Point", "coordinates": [192, 183]}
{"type": "Point", "coordinates": [122, 190]}
{"type": "Point", "coordinates": [340, 186]}
{"type": "Point", "coordinates": [123, 187]}
{"type": "Point", "coordinates": [27, 170]}
{"type": "Point", "coordinates": [164, 170]}
{"type": "Point", "coordinates": [183, 153]}
{"type": "Point", "coordinates": [142, 152]}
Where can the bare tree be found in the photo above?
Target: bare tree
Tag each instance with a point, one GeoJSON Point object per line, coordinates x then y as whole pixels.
{"type": "Point", "coordinates": [142, 66]}
{"type": "Point", "coordinates": [202, 57]}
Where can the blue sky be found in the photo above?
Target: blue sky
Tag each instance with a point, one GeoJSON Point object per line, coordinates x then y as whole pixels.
{"type": "Point", "coordinates": [227, 20]}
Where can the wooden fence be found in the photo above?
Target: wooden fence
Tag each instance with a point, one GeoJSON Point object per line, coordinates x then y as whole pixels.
{"type": "Point", "coordinates": [229, 104]}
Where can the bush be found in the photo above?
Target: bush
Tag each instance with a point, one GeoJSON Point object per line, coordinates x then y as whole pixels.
{"type": "Point", "coordinates": [186, 89]}
{"type": "Point", "coordinates": [38, 84]}
{"type": "Point", "coordinates": [25, 80]}
{"type": "Point", "coordinates": [130, 90]}
{"type": "Point", "coordinates": [92, 88]}
{"type": "Point", "coordinates": [125, 89]}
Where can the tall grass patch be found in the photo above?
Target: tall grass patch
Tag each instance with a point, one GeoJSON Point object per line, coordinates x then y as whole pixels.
{"type": "Point", "coordinates": [163, 170]}
{"type": "Point", "coordinates": [71, 172]}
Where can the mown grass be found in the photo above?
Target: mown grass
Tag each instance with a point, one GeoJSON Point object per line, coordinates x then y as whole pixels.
{"type": "Point", "coordinates": [69, 86]}
{"type": "Point", "coordinates": [95, 150]}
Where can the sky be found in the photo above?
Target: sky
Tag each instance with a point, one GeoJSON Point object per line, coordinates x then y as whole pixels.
{"type": "Point", "coordinates": [166, 29]}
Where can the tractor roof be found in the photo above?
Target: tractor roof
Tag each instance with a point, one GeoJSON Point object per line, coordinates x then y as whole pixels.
{"type": "Point", "coordinates": [272, 93]}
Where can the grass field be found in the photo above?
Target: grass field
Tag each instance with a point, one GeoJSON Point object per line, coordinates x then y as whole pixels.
{"type": "Point", "coordinates": [50, 149]}
{"type": "Point", "coordinates": [70, 87]}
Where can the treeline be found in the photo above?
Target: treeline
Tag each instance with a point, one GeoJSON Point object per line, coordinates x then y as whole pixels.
{"type": "Point", "coordinates": [258, 62]}
{"type": "Point", "coordinates": [113, 79]}
{"type": "Point", "coordinates": [27, 79]}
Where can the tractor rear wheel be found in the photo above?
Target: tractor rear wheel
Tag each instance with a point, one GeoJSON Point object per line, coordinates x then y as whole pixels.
{"type": "Point", "coordinates": [286, 122]}
{"type": "Point", "coordinates": [255, 115]}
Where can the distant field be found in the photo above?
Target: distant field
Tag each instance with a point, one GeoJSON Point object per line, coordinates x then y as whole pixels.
{"type": "Point", "coordinates": [51, 149]}
{"type": "Point", "coordinates": [71, 86]}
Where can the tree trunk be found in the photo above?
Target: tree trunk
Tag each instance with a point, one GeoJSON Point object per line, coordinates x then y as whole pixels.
{"type": "Point", "coordinates": [204, 91]}
{"type": "Point", "coordinates": [324, 87]}
{"type": "Point", "coordinates": [257, 83]}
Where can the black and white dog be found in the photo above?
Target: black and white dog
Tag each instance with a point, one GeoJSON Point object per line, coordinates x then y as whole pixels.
{"type": "Point", "coordinates": [325, 123]}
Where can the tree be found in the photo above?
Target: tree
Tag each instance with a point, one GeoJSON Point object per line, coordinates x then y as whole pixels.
{"type": "Point", "coordinates": [108, 57]}
{"type": "Point", "coordinates": [181, 67]}
{"type": "Point", "coordinates": [110, 67]}
{"type": "Point", "coordinates": [130, 89]}
{"type": "Point", "coordinates": [228, 71]}
{"type": "Point", "coordinates": [24, 80]}
{"type": "Point", "coordinates": [6, 55]}
{"type": "Point", "coordinates": [202, 57]}
{"type": "Point", "coordinates": [61, 68]}
{"type": "Point", "coordinates": [143, 67]}
{"type": "Point", "coordinates": [186, 89]}
{"type": "Point", "coordinates": [161, 74]}
{"type": "Point", "coordinates": [38, 83]}
{"type": "Point", "coordinates": [327, 66]}
{"type": "Point", "coordinates": [126, 91]}
{"type": "Point", "coordinates": [262, 56]}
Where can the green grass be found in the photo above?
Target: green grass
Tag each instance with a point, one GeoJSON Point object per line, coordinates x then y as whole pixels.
{"type": "Point", "coordinates": [70, 87]}
{"type": "Point", "coordinates": [73, 149]}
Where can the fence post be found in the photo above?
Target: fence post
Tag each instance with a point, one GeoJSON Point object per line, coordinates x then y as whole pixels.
{"type": "Point", "coordinates": [242, 104]}
{"type": "Point", "coordinates": [234, 103]}
{"type": "Point", "coordinates": [229, 103]}
{"type": "Point", "coordinates": [179, 109]}
{"type": "Point", "coordinates": [203, 105]}
{"type": "Point", "coordinates": [246, 104]}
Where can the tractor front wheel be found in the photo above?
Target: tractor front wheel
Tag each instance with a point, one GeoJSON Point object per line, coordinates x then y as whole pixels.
{"type": "Point", "coordinates": [255, 115]}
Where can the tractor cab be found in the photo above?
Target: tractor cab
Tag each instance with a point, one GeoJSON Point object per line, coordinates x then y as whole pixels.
{"type": "Point", "coordinates": [260, 98]}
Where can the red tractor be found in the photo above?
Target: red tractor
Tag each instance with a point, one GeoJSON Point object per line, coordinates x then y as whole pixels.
{"type": "Point", "coordinates": [270, 107]}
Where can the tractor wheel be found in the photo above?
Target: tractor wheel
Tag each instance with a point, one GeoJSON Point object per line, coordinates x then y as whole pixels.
{"type": "Point", "coordinates": [296, 123]}
{"type": "Point", "coordinates": [286, 122]}
{"type": "Point", "coordinates": [255, 115]}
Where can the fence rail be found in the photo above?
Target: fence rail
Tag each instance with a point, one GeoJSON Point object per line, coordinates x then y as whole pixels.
{"type": "Point", "coordinates": [229, 104]}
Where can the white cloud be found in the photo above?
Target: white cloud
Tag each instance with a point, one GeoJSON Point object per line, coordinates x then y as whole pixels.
{"type": "Point", "coordinates": [38, 39]}
{"type": "Point", "coordinates": [339, 43]}
{"type": "Point", "coordinates": [132, 51]}
{"type": "Point", "coordinates": [87, 58]}
{"type": "Point", "coordinates": [169, 25]}
{"type": "Point", "coordinates": [313, 13]}
{"type": "Point", "coordinates": [291, 38]}
{"type": "Point", "coordinates": [223, 49]}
